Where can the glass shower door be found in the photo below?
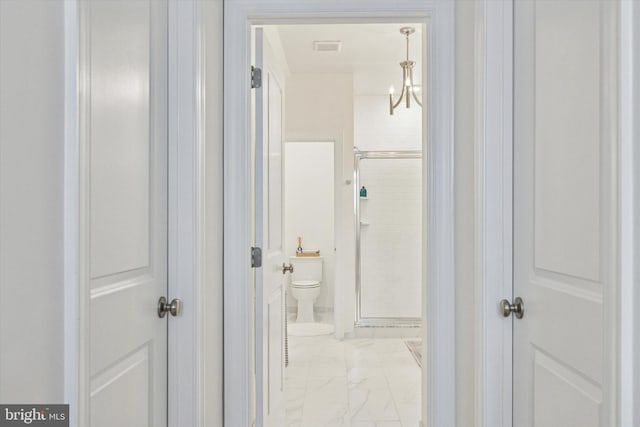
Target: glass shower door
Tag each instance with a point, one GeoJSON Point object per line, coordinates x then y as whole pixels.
{"type": "Point", "coordinates": [389, 238]}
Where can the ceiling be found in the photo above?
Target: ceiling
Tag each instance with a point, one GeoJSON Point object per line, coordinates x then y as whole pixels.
{"type": "Point", "coordinates": [372, 52]}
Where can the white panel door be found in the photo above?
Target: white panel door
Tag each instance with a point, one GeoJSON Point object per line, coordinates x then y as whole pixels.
{"type": "Point", "coordinates": [125, 211]}
{"type": "Point", "coordinates": [270, 290]}
{"type": "Point", "coordinates": [565, 213]}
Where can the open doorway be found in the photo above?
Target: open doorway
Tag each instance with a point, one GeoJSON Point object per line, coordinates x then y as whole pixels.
{"type": "Point", "coordinates": [342, 169]}
{"type": "Point", "coordinates": [438, 273]}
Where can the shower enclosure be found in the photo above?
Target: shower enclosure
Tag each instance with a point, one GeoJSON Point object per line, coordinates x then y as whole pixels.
{"type": "Point", "coordinates": [388, 238]}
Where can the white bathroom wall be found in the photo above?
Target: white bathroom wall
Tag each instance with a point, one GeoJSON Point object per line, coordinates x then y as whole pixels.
{"type": "Point", "coordinates": [31, 201]}
{"type": "Point", "coordinates": [376, 129]}
{"type": "Point", "coordinates": [309, 208]}
{"type": "Point", "coordinates": [319, 107]}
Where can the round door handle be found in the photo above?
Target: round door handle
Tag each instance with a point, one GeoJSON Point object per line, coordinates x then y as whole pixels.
{"type": "Point", "coordinates": [516, 308]}
{"type": "Point", "coordinates": [174, 308]}
{"type": "Point", "coordinates": [286, 268]}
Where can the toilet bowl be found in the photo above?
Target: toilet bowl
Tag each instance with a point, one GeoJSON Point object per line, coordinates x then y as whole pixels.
{"type": "Point", "coordinates": [305, 292]}
{"type": "Point", "coordinates": [305, 286]}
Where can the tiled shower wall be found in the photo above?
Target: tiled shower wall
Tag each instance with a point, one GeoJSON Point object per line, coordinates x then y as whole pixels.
{"type": "Point", "coordinates": [390, 238]}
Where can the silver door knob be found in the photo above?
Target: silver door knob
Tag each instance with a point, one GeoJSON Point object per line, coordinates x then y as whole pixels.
{"type": "Point", "coordinates": [174, 308]}
{"type": "Point", "coordinates": [286, 268]}
{"type": "Point", "coordinates": [516, 308]}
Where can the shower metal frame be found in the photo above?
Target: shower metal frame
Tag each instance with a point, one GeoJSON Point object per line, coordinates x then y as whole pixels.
{"type": "Point", "coordinates": [368, 322]}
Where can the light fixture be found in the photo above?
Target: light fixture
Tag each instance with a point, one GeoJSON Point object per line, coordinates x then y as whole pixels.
{"type": "Point", "coordinates": [408, 88]}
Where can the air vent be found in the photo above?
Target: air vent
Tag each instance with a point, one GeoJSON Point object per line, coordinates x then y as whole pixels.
{"type": "Point", "coordinates": [327, 45]}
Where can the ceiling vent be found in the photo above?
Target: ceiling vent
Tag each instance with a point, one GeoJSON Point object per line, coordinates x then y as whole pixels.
{"type": "Point", "coordinates": [327, 45]}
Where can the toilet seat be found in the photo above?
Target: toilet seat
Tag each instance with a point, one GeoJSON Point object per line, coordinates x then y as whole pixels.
{"type": "Point", "coordinates": [305, 284]}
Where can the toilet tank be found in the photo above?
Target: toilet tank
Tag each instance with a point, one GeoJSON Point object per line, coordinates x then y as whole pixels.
{"type": "Point", "coordinates": [307, 268]}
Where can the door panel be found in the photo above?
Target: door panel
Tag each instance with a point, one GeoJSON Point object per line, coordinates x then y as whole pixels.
{"type": "Point", "coordinates": [127, 204]}
{"type": "Point", "coordinates": [119, 137]}
{"type": "Point", "coordinates": [558, 383]}
{"type": "Point", "coordinates": [567, 137]}
{"type": "Point", "coordinates": [564, 212]}
{"type": "Point", "coordinates": [270, 289]}
{"type": "Point", "coordinates": [127, 379]}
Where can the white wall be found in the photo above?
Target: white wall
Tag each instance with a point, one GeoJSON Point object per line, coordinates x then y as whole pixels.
{"type": "Point", "coordinates": [330, 118]}
{"type": "Point", "coordinates": [376, 129]}
{"type": "Point", "coordinates": [309, 208]}
{"type": "Point", "coordinates": [31, 200]}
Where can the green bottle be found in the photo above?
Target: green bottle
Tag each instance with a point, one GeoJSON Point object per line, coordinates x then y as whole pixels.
{"type": "Point", "coordinates": [363, 192]}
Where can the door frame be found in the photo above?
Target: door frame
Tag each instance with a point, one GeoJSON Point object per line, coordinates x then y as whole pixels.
{"type": "Point", "coordinates": [628, 317]}
{"type": "Point", "coordinates": [493, 211]}
{"type": "Point", "coordinates": [439, 306]}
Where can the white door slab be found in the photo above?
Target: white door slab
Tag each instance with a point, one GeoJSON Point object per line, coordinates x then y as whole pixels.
{"type": "Point", "coordinates": [270, 289]}
{"type": "Point", "coordinates": [565, 213]}
{"type": "Point", "coordinates": [123, 212]}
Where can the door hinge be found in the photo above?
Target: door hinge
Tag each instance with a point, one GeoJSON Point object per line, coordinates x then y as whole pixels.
{"type": "Point", "coordinates": [256, 257]}
{"type": "Point", "coordinates": [256, 77]}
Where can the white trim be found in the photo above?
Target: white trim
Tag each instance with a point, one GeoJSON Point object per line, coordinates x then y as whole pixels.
{"type": "Point", "coordinates": [71, 209]}
{"type": "Point", "coordinates": [187, 200]}
{"type": "Point", "coordinates": [238, 313]}
{"type": "Point", "coordinates": [77, 225]}
{"type": "Point", "coordinates": [440, 287]}
{"type": "Point", "coordinates": [195, 212]}
{"type": "Point", "coordinates": [629, 299]}
{"type": "Point", "coordinates": [494, 211]}
{"type": "Point", "coordinates": [201, 303]}
{"type": "Point", "coordinates": [210, 88]}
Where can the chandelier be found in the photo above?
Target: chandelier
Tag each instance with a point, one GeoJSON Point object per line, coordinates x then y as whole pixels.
{"type": "Point", "coordinates": [408, 88]}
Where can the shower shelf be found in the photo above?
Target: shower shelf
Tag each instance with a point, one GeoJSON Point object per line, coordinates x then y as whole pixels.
{"type": "Point", "coordinates": [364, 223]}
{"type": "Point", "coordinates": [364, 198]}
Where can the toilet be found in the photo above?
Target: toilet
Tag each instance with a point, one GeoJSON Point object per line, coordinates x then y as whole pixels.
{"type": "Point", "coordinates": [306, 280]}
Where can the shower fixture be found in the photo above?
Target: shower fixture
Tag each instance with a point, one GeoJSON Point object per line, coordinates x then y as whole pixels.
{"type": "Point", "coordinates": [408, 87]}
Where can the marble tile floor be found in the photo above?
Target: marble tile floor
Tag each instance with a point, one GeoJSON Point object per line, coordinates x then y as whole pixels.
{"type": "Point", "coordinates": [360, 382]}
